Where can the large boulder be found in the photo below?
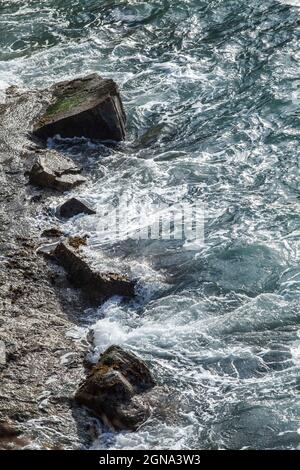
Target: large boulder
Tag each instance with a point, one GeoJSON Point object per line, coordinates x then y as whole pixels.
{"type": "Point", "coordinates": [116, 390]}
{"type": "Point", "coordinates": [73, 207]}
{"type": "Point", "coordinates": [89, 107]}
{"type": "Point", "coordinates": [52, 170]}
{"type": "Point", "coordinates": [96, 285]}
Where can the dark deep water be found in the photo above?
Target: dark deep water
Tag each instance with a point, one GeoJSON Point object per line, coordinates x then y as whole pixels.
{"type": "Point", "coordinates": [212, 93]}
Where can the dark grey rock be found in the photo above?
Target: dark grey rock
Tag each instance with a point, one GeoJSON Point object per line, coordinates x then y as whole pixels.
{"type": "Point", "coordinates": [116, 390]}
{"type": "Point", "coordinates": [89, 107]}
{"type": "Point", "coordinates": [74, 207]}
{"type": "Point", "coordinates": [97, 286]}
{"type": "Point", "coordinates": [52, 170]}
{"type": "Point", "coordinates": [52, 233]}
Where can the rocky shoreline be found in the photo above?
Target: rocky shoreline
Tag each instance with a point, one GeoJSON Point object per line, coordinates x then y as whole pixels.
{"type": "Point", "coordinates": [41, 367]}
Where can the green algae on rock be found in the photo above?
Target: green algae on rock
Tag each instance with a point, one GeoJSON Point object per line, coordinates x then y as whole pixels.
{"type": "Point", "coordinates": [85, 107]}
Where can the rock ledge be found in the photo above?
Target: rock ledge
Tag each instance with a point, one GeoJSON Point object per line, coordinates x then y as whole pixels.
{"type": "Point", "coordinates": [96, 285]}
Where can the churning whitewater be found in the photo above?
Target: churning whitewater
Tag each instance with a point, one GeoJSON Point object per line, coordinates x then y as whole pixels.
{"type": "Point", "coordinates": [212, 94]}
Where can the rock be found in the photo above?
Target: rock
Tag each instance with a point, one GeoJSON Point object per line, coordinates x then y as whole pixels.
{"type": "Point", "coordinates": [97, 286]}
{"type": "Point", "coordinates": [76, 242]}
{"type": "Point", "coordinates": [89, 107]}
{"type": "Point", "coordinates": [11, 438]}
{"type": "Point", "coordinates": [52, 170]}
{"type": "Point", "coordinates": [35, 312]}
{"type": "Point", "coordinates": [47, 250]}
{"type": "Point", "coordinates": [8, 430]}
{"type": "Point", "coordinates": [52, 233]}
{"type": "Point", "coordinates": [2, 353]}
{"type": "Point", "coordinates": [74, 207]}
{"type": "Point", "coordinates": [116, 389]}
{"type": "Point", "coordinates": [36, 198]}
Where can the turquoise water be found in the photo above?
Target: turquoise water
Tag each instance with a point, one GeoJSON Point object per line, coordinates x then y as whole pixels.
{"type": "Point", "coordinates": [212, 94]}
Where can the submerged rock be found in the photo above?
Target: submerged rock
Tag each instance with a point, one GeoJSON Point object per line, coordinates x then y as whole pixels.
{"type": "Point", "coordinates": [74, 207]}
{"type": "Point", "coordinates": [96, 285]}
{"type": "Point", "coordinates": [116, 389]}
{"type": "Point", "coordinates": [89, 107]}
{"type": "Point", "coordinates": [52, 170]}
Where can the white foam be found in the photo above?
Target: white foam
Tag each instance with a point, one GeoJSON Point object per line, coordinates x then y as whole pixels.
{"type": "Point", "coordinates": [106, 333]}
{"type": "Point", "coordinates": [144, 439]}
{"type": "Point", "coordinates": [294, 3]}
{"type": "Point", "coordinates": [295, 351]}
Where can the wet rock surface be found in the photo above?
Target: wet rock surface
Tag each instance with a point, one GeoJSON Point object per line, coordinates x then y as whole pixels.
{"type": "Point", "coordinates": [2, 353]}
{"type": "Point", "coordinates": [117, 389]}
{"type": "Point", "coordinates": [38, 306]}
{"type": "Point", "coordinates": [89, 107]}
{"type": "Point", "coordinates": [11, 437]}
{"type": "Point", "coordinates": [52, 233]}
{"type": "Point", "coordinates": [74, 207]}
{"type": "Point", "coordinates": [35, 315]}
{"type": "Point", "coordinates": [52, 170]}
{"type": "Point", "coordinates": [96, 285]}
{"type": "Point", "coordinates": [7, 430]}
{"type": "Point", "coordinates": [77, 241]}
